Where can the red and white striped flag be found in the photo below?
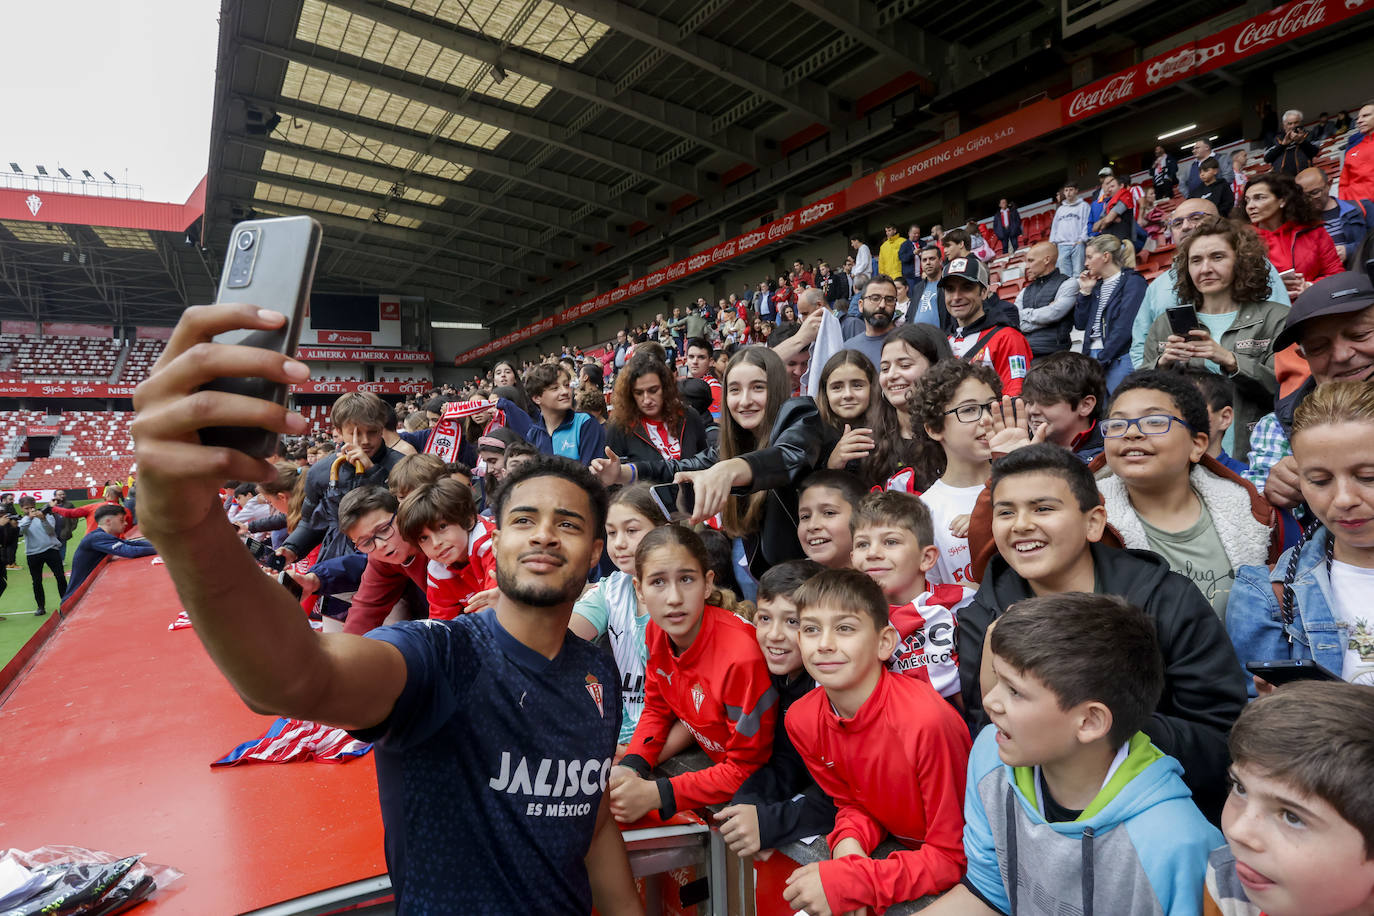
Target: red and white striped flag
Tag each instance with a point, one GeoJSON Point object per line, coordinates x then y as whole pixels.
{"type": "Point", "coordinates": [290, 740]}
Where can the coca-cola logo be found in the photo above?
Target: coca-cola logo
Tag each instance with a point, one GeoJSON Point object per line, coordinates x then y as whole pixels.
{"type": "Point", "coordinates": [698, 261]}
{"type": "Point", "coordinates": [723, 252]}
{"type": "Point", "coordinates": [749, 240]}
{"type": "Point", "coordinates": [637, 287]}
{"type": "Point", "coordinates": [605, 298]}
{"type": "Point", "coordinates": [1171, 67]}
{"type": "Point", "coordinates": [813, 213]}
{"type": "Point", "coordinates": [657, 277]}
{"type": "Point", "coordinates": [1116, 89]}
{"type": "Point", "coordinates": [677, 270]}
{"type": "Point", "coordinates": [617, 294]}
{"type": "Point", "coordinates": [1299, 17]}
{"type": "Point", "coordinates": [782, 227]}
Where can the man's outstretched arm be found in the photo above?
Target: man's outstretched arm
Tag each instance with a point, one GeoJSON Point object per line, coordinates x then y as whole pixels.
{"type": "Point", "coordinates": [249, 624]}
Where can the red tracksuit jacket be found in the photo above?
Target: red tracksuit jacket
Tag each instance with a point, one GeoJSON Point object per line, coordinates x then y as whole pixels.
{"type": "Point", "coordinates": [720, 689]}
{"type": "Point", "coordinates": [450, 588]}
{"type": "Point", "coordinates": [898, 768]}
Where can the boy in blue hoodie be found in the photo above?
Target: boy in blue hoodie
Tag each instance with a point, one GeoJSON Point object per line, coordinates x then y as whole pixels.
{"type": "Point", "coordinates": [1069, 807]}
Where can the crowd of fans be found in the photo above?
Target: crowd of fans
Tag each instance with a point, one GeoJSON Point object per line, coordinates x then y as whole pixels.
{"type": "Point", "coordinates": [1020, 586]}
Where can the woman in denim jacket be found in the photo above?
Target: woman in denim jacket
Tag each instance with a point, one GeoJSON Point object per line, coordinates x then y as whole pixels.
{"type": "Point", "coordinates": [1315, 604]}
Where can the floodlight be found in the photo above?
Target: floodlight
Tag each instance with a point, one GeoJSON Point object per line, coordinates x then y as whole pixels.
{"type": "Point", "coordinates": [42, 171]}
{"type": "Point", "coordinates": [17, 169]}
{"type": "Point", "coordinates": [111, 177]}
{"type": "Point", "coordinates": [498, 72]}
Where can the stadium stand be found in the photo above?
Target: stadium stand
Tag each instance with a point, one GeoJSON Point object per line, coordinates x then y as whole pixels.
{"type": "Point", "coordinates": [27, 358]}
{"type": "Point", "coordinates": [142, 354]}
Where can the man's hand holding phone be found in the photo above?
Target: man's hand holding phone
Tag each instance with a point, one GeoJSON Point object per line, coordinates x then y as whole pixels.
{"type": "Point", "coordinates": [179, 476]}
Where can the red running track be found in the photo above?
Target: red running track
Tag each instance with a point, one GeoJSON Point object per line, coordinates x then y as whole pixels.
{"type": "Point", "coordinates": [106, 742]}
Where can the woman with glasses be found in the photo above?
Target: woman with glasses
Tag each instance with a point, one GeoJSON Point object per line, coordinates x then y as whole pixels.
{"type": "Point", "coordinates": [1163, 494]}
{"type": "Point", "coordinates": [1291, 228]}
{"type": "Point", "coordinates": [1223, 274]}
{"type": "Point", "coordinates": [953, 403]}
{"type": "Point", "coordinates": [1109, 295]}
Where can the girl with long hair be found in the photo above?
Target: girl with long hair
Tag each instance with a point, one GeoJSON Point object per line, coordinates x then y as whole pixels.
{"type": "Point", "coordinates": [851, 407]}
{"type": "Point", "coordinates": [768, 442]}
{"type": "Point", "coordinates": [612, 607]}
{"type": "Point", "coordinates": [903, 455]}
{"type": "Point", "coordinates": [649, 419]}
{"type": "Point", "coordinates": [705, 670]}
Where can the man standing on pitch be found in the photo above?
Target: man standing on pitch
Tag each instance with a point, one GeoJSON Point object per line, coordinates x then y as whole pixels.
{"type": "Point", "coordinates": [465, 714]}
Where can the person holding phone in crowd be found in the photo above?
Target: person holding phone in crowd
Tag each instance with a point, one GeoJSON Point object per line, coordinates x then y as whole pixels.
{"type": "Point", "coordinates": [1224, 277]}
{"type": "Point", "coordinates": [408, 688]}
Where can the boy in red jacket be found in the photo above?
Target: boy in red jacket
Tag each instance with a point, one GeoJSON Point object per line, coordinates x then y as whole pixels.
{"type": "Point", "coordinates": [894, 544]}
{"type": "Point", "coordinates": [890, 752]}
{"type": "Point", "coordinates": [442, 520]}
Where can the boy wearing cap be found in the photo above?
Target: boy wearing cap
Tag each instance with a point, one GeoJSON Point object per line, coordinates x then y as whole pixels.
{"type": "Point", "coordinates": [978, 336]}
{"type": "Point", "coordinates": [1333, 325]}
{"type": "Point", "coordinates": [491, 451]}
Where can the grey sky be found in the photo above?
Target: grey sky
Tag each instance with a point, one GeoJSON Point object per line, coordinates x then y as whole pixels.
{"type": "Point", "coordinates": [124, 86]}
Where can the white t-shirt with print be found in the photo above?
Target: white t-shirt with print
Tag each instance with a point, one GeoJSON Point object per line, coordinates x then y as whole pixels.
{"type": "Point", "coordinates": [945, 504]}
{"type": "Point", "coordinates": [1352, 586]}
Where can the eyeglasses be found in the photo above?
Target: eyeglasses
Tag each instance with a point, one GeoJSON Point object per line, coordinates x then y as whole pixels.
{"type": "Point", "coordinates": [876, 299]}
{"type": "Point", "coordinates": [1193, 218]}
{"type": "Point", "coordinates": [1156, 424]}
{"type": "Point", "coordinates": [383, 532]}
{"type": "Point", "coordinates": [971, 413]}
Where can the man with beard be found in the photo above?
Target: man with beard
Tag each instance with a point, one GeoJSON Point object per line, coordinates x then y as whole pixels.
{"type": "Point", "coordinates": [494, 732]}
{"type": "Point", "coordinates": [877, 308]}
{"type": "Point", "coordinates": [979, 336]}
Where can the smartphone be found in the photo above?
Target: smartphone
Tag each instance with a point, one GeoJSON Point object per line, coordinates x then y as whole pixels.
{"type": "Point", "coordinates": [290, 584]}
{"type": "Point", "coordinates": [1290, 272]}
{"type": "Point", "coordinates": [271, 264]}
{"type": "Point", "coordinates": [1287, 670]}
{"type": "Point", "coordinates": [674, 500]}
{"type": "Point", "coordinates": [1182, 319]}
{"type": "Point", "coordinates": [265, 555]}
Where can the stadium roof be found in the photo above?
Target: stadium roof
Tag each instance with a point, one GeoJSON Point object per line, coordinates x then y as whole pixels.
{"type": "Point", "coordinates": [503, 157]}
{"type": "Point", "coordinates": [89, 251]}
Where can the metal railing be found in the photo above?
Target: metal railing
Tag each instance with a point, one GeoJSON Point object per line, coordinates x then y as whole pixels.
{"type": "Point", "coordinates": [58, 185]}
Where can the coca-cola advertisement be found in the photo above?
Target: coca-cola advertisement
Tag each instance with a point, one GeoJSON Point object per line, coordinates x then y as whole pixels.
{"type": "Point", "coordinates": [1259, 33]}
{"type": "Point", "coordinates": [1254, 35]}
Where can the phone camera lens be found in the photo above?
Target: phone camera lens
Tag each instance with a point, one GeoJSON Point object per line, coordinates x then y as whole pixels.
{"type": "Point", "coordinates": [245, 240]}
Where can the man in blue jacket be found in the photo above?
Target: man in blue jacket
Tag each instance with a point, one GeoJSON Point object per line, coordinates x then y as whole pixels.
{"type": "Point", "coordinates": [104, 540]}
